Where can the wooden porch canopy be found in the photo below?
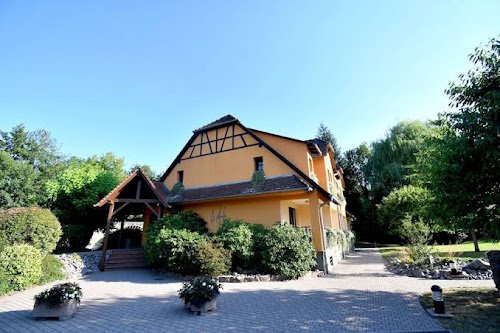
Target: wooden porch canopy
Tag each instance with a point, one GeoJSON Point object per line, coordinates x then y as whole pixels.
{"type": "Point", "coordinates": [131, 196]}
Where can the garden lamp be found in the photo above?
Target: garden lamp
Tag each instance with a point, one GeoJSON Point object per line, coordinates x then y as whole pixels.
{"type": "Point", "coordinates": [437, 297]}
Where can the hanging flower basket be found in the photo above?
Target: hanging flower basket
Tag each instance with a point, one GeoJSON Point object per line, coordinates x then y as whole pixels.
{"type": "Point", "coordinates": [199, 295]}
{"type": "Point", "coordinates": [60, 301]}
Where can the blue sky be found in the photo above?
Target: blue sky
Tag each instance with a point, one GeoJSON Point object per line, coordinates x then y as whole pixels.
{"type": "Point", "coordinates": [136, 77]}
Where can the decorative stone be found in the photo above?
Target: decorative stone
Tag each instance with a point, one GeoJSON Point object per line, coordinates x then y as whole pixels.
{"type": "Point", "coordinates": [63, 311]}
{"type": "Point", "coordinates": [478, 264]}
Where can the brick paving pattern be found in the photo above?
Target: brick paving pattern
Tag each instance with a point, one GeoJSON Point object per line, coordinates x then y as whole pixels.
{"type": "Point", "coordinates": [360, 296]}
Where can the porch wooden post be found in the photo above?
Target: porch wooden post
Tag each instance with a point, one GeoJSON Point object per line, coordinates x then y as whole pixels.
{"type": "Point", "coordinates": [106, 236]}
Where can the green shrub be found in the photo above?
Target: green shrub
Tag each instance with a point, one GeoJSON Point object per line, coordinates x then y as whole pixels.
{"type": "Point", "coordinates": [74, 237]}
{"type": "Point", "coordinates": [213, 258]}
{"type": "Point", "coordinates": [419, 254]}
{"type": "Point", "coordinates": [5, 287]}
{"type": "Point", "coordinates": [187, 220]}
{"type": "Point", "coordinates": [351, 238]}
{"type": "Point", "coordinates": [337, 237]}
{"type": "Point", "coordinates": [173, 250]}
{"type": "Point", "coordinates": [236, 235]}
{"type": "Point", "coordinates": [289, 251]}
{"type": "Point", "coordinates": [21, 266]}
{"type": "Point", "coordinates": [31, 225]}
{"type": "Point", "coordinates": [258, 246]}
{"type": "Point", "coordinates": [52, 269]}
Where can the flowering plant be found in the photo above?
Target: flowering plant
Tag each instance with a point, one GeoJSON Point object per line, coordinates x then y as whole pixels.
{"type": "Point", "coordinates": [58, 294]}
{"type": "Point", "coordinates": [200, 290]}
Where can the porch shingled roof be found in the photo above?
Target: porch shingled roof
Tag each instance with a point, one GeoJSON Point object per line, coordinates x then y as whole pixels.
{"type": "Point", "coordinates": [269, 185]}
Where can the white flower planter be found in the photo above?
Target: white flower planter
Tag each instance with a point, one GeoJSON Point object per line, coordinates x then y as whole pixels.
{"type": "Point", "coordinates": [63, 311]}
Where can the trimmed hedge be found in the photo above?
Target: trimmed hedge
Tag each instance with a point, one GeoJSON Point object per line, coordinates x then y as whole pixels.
{"type": "Point", "coordinates": [31, 225]}
{"type": "Point", "coordinates": [20, 266]}
{"type": "Point", "coordinates": [289, 252]}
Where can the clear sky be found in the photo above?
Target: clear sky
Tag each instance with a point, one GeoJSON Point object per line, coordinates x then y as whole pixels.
{"type": "Point", "coordinates": [136, 77]}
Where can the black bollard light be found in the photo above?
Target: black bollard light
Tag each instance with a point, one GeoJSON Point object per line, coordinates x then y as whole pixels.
{"type": "Point", "coordinates": [437, 297]}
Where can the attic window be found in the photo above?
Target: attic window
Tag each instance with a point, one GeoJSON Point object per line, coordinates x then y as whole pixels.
{"type": "Point", "coordinates": [180, 177]}
{"type": "Point", "coordinates": [259, 163]}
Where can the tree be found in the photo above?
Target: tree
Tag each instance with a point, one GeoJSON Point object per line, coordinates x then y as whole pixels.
{"type": "Point", "coordinates": [461, 162]}
{"type": "Point", "coordinates": [18, 183]}
{"type": "Point", "coordinates": [326, 135]}
{"type": "Point", "coordinates": [81, 185]}
{"type": "Point", "coordinates": [356, 189]}
{"type": "Point", "coordinates": [404, 205]}
{"type": "Point", "coordinates": [149, 171]}
{"type": "Point", "coordinates": [391, 163]}
{"type": "Point", "coordinates": [28, 160]}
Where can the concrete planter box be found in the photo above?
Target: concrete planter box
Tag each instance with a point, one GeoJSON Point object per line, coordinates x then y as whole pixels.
{"type": "Point", "coordinates": [204, 308]}
{"type": "Point", "coordinates": [65, 310]}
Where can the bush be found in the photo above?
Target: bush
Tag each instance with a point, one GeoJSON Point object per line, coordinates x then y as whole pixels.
{"type": "Point", "coordinates": [52, 269]}
{"type": "Point", "coordinates": [236, 235]}
{"type": "Point", "coordinates": [419, 254]}
{"type": "Point", "coordinates": [31, 225]}
{"type": "Point", "coordinates": [214, 260]}
{"type": "Point", "coordinates": [289, 251]}
{"type": "Point", "coordinates": [74, 237]}
{"type": "Point", "coordinates": [132, 233]}
{"type": "Point", "coordinates": [351, 238]}
{"type": "Point", "coordinates": [187, 220]}
{"type": "Point", "coordinates": [173, 250]}
{"type": "Point", "coordinates": [335, 237]}
{"type": "Point", "coordinates": [20, 266]}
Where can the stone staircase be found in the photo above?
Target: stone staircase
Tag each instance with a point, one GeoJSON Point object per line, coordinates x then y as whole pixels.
{"type": "Point", "coordinates": [123, 259]}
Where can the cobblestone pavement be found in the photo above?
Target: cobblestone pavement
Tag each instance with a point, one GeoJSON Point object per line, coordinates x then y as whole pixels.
{"type": "Point", "coordinates": [360, 296]}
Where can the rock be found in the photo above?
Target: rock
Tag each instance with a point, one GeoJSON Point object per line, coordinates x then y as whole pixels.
{"type": "Point", "coordinates": [418, 273]}
{"type": "Point", "coordinates": [478, 264]}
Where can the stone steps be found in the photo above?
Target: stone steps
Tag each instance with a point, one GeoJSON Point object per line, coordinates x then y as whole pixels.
{"type": "Point", "coordinates": [123, 259]}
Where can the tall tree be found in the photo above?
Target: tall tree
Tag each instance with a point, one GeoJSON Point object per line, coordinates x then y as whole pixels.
{"type": "Point", "coordinates": [461, 162]}
{"type": "Point", "coordinates": [81, 185]}
{"type": "Point", "coordinates": [357, 190]}
{"type": "Point", "coordinates": [392, 160]}
{"type": "Point", "coordinates": [147, 168]}
{"type": "Point", "coordinates": [326, 135]}
{"type": "Point", "coordinates": [29, 159]}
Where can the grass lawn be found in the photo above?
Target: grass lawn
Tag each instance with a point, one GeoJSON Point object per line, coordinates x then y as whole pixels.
{"type": "Point", "coordinates": [465, 251]}
{"type": "Point", "coordinates": [475, 309]}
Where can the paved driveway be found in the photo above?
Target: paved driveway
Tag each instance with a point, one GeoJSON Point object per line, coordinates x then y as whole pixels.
{"type": "Point", "coordinates": [360, 296]}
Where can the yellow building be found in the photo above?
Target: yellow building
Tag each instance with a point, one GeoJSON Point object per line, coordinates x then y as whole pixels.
{"type": "Point", "coordinates": [301, 186]}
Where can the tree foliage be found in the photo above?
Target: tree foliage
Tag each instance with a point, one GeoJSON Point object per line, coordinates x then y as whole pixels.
{"type": "Point", "coordinates": [408, 204]}
{"type": "Point", "coordinates": [83, 182]}
{"type": "Point", "coordinates": [461, 161]}
{"type": "Point", "coordinates": [326, 135]}
{"type": "Point", "coordinates": [27, 160]}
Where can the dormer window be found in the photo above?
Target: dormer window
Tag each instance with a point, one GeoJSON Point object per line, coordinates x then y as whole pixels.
{"type": "Point", "coordinates": [259, 163]}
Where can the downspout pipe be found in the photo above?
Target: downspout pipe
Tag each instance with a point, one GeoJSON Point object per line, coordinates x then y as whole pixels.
{"type": "Point", "coordinates": [323, 235]}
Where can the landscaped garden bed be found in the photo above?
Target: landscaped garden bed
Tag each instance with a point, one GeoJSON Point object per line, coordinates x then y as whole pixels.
{"type": "Point", "coordinates": [473, 309]}
{"type": "Point", "coordinates": [455, 261]}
